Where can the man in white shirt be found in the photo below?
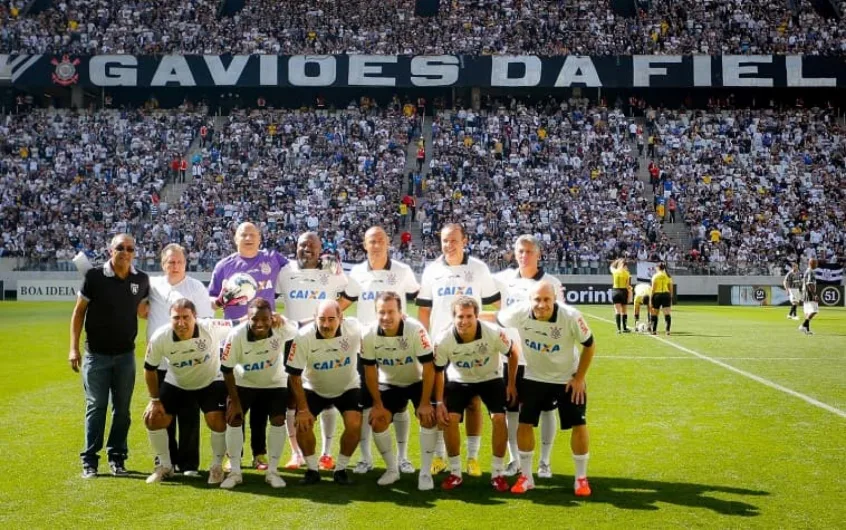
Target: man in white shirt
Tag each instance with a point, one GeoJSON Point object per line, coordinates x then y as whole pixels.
{"type": "Point", "coordinates": [192, 350]}
{"type": "Point", "coordinates": [301, 286]}
{"type": "Point", "coordinates": [164, 291]}
{"type": "Point", "coordinates": [253, 369]}
{"type": "Point", "coordinates": [469, 352]}
{"type": "Point", "coordinates": [322, 369]}
{"type": "Point", "coordinates": [554, 378]}
{"type": "Point", "coordinates": [398, 363]}
{"type": "Point", "coordinates": [377, 274]}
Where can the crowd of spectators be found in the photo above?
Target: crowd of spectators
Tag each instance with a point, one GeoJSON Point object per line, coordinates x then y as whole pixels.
{"type": "Point", "coordinates": [546, 27]}
{"type": "Point", "coordinates": [69, 179]}
{"type": "Point", "coordinates": [758, 188]}
{"type": "Point", "coordinates": [563, 171]}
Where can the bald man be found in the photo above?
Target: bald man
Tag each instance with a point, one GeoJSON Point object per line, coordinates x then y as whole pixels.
{"type": "Point", "coordinates": [322, 369]}
{"type": "Point", "coordinates": [554, 378]}
{"type": "Point", "coordinates": [264, 266]}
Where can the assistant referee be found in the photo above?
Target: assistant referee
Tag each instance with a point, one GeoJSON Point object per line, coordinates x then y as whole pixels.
{"type": "Point", "coordinates": [621, 292]}
{"type": "Point", "coordinates": [662, 286]}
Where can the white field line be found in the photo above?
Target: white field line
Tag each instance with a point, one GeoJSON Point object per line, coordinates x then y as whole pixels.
{"type": "Point", "coordinates": [688, 357]}
{"type": "Point", "coordinates": [744, 373]}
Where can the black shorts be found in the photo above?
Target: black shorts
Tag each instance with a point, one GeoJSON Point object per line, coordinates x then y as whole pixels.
{"type": "Point", "coordinates": [520, 371]}
{"type": "Point", "coordinates": [620, 296]}
{"type": "Point", "coordinates": [660, 300]}
{"type": "Point", "coordinates": [275, 400]}
{"type": "Point", "coordinates": [210, 399]}
{"type": "Point", "coordinates": [349, 400]}
{"type": "Point", "coordinates": [539, 397]}
{"type": "Point", "coordinates": [459, 395]}
{"type": "Point", "coordinates": [396, 398]}
{"type": "Point", "coordinates": [366, 398]}
{"type": "Point", "coordinates": [645, 301]}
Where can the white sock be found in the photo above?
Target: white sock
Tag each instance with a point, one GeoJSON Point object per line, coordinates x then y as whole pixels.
{"type": "Point", "coordinates": [341, 463]}
{"type": "Point", "coordinates": [386, 448]}
{"type": "Point", "coordinates": [366, 435]}
{"type": "Point", "coordinates": [159, 441]}
{"type": "Point", "coordinates": [496, 466]}
{"type": "Point", "coordinates": [234, 445]}
{"type": "Point", "coordinates": [275, 444]}
{"type": "Point", "coordinates": [549, 427]}
{"type": "Point", "coordinates": [327, 423]}
{"type": "Point", "coordinates": [440, 445]}
{"type": "Point", "coordinates": [218, 444]}
{"type": "Point", "coordinates": [455, 465]}
{"type": "Point", "coordinates": [311, 462]}
{"type": "Point", "coordinates": [526, 458]}
{"type": "Point", "coordinates": [581, 462]}
{"type": "Point", "coordinates": [291, 426]}
{"type": "Point", "coordinates": [402, 425]}
{"type": "Point", "coordinates": [512, 420]}
{"type": "Point", "coordinates": [473, 445]}
{"type": "Point", "coordinates": [428, 439]}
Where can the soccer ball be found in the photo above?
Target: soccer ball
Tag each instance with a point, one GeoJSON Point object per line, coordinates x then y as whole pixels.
{"type": "Point", "coordinates": [641, 327]}
{"type": "Point", "coordinates": [241, 286]}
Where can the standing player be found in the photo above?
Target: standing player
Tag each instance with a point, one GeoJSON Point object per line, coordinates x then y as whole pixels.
{"type": "Point", "coordinates": [379, 273]}
{"type": "Point", "coordinates": [810, 306]}
{"type": "Point", "coordinates": [452, 275]}
{"type": "Point", "coordinates": [622, 289]}
{"type": "Point", "coordinates": [662, 298]}
{"type": "Point", "coordinates": [259, 350]}
{"type": "Point", "coordinates": [642, 295]}
{"type": "Point", "coordinates": [323, 374]}
{"type": "Point", "coordinates": [398, 365]}
{"type": "Point", "coordinates": [469, 352]}
{"type": "Point", "coordinates": [301, 287]}
{"type": "Point", "coordinates": [164, 291]}
{"type": "Point", "coordinates": [555, 376]}
{"type": "Point", "coordinates": [793, 285]}
{"type": "Point", "coordinates": [515, 285]}
{"type": "Point", "coordinates": [193, 376]}
{"type": "Point", "coordinates": [264, 266]}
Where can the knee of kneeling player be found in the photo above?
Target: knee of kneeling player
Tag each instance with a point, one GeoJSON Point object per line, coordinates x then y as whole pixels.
{"type": "Point", "coordinates": [352, 423]}
{"type": "Point", "coordinates": [277, 421]}
{"type": "Point", "coordinates": [380, 425]}
{"type": "Point", "coordinates": [216, 421]}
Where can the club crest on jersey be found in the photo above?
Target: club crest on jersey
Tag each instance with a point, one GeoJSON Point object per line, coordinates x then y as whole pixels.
{"type": "Point", "coordinates": [323, 278]}
{"type": "Point", "coordinates": [265, 268]}
{"type": "Point", "coordinates": [344, 344]}
{"type": "Point", "coordinates": [468, 276]}
{"type": "Point", "coordinates": [391, 279]}
{"type": "Point", "coordinates": [274, 344]}
{"type": "Point", "coordinates": [455, 290]}
{"type": "Point", "coordinates": [133, 287]}
{"type": "Point", "coordinates": [402, 343]}
{"type": "Point", "coordinates": [201, 345]}
{"type": "Point", "coordinates": [555, 332]}
{"type": "Point", "coordinates": [482, 348]}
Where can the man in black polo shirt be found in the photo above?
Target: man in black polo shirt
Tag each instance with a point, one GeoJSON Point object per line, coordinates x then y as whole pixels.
{"type": "Point", "coordinates": [109, 304]}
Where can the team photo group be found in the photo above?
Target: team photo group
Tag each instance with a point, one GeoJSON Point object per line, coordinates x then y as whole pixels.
{"type": "Point", "coordinates": [322, 358]}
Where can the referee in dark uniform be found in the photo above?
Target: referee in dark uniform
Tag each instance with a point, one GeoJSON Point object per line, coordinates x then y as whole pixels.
{"type": "Point", "coordinates": [109, 304]}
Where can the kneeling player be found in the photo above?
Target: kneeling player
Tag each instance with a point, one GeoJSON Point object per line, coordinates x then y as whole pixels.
{"type": "Point", "coordinates": [469, 351]}
{"type": "Point", "coordinates": [642, 294]}
{"type": "Point", "coordinates": [322, 374]}
{"type": "Point", "coordinates": [260, 352]}
{"type": "Point", "coordinates": [554, 377]}
{"type": "Point", "coordinates": [193, 376]}
{"type": "Point", "coordinates": [398, 366]}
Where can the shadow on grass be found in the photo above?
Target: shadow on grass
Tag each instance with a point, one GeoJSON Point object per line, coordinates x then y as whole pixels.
{"type": "Point", "coordinates": [622, 493]}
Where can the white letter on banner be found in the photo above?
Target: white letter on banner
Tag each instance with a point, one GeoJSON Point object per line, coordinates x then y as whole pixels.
{"type": "Point", "coordinates": [106, 70]}
{"type": "Point", "coordinates": [732, 70]}
{"type": "Point", "coordinates": [173, 69]}
{"type": "Point", "coordinates": [642, 67]}
{"type": "Point", "coordinates": [364, 70]}
{"type": "Point", "coordinates": [434, 70]}
{"type": "Point", "coordinates": [297, 74]}
{"type": "Point", "coordinates": [223, 76]}
{"type": "Point", "coordinates": [578, 69]}
{"type": "Point", "coordinates": [793, 65]}
{"type": "Point", "coordinates": [499, 70]}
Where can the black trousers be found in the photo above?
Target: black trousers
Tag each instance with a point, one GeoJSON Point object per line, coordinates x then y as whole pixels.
{"type": "Point", "coordinates": [185, 453]}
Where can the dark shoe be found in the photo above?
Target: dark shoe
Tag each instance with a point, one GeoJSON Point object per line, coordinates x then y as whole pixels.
{"type": "Point", "coordinates": [118, 469]}
{"type": "Point", "coordinates": [341, 477]}
{"type": "Point", "coordinates": [311, 477]}
{"type": "Point", "coordinates": [89, 472]}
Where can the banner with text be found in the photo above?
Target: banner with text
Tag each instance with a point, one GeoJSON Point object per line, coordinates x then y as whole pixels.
{"type": "Point", "coordinates": [593, 293]}
{"type": "Point", "coordinates": [774, 295]}
{"type": "Point", "coordinates": [48, 290]}
{"type": "Point", "coordinates": [423, 71]}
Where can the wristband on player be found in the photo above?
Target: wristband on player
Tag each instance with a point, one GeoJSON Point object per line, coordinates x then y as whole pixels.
{"type": "Point", "coordinates": [155, 399]}
{"type": "Point", "coordinates": [439, 402]}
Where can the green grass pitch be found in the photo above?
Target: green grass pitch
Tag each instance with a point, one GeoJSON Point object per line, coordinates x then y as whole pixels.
{"type": "Point", "coordinates": [677, 441]}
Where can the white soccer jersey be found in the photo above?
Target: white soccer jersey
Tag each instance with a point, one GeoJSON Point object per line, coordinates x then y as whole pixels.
{"type": "Point", "coordinates": [163, 294]}
{"type": "Point", "coordinates": [302, 290]}
{"type": "Point", "coordinates": [549, 347]}
{"type": "Point", "coordinates": [328, 366]}
{"type": "Point", "coordinates": [399, 358]}
{"type": "Point", "coordinates": [366, 284]}
{"type": "Point", "coordinates": [476, 361]}
{"type": "Point", "coordinates": [642, 289]}
{"type": "Point", "coordinates": [194, 363]}
{"type": "Point", "coordinates": [442, 283]}
{"type": "Point", "coordinates": [514, 288]}
{"type": "Point", "coordinates": [262, 361]}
